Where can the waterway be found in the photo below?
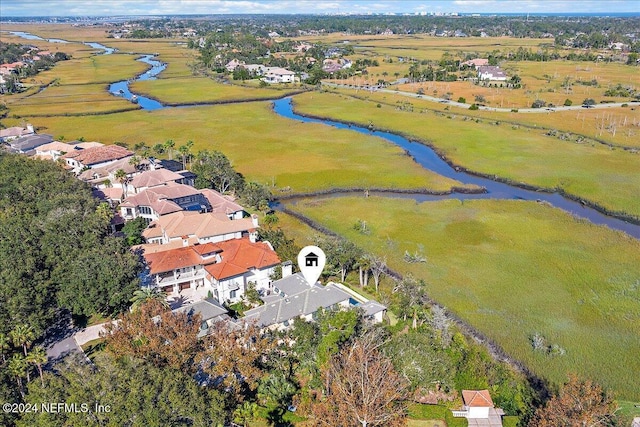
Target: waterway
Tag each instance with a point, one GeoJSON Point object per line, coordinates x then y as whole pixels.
{"type": "Point", "coordinates": [423, 155]}
{"type": "Point", "coordinates": [121, 88]}
{"type": "Point", "coordinates": [429, 159]}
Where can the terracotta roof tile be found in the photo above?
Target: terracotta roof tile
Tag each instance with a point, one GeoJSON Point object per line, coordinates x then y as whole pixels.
{"type": "Point", "coordinates": [477, 398]}
{"type": "Point", "coordinates": [94, 155]}
{"type": "Point", "coordinates": [165, 261]}
{"type": "Point", "coordinates": [240, 256]}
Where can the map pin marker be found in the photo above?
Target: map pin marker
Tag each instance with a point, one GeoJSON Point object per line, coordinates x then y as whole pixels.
{"type": "Point", "coordinates": [311, 260]}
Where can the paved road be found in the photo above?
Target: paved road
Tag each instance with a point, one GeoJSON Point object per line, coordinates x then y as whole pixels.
{"type": "Point", "coordinates": [496, 109]}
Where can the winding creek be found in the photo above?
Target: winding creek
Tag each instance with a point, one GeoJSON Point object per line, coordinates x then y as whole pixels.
{"type": "Point", "coordinates": [422, 154]}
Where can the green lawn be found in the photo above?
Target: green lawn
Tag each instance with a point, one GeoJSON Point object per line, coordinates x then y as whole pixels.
{"type": "Point", "coordinates": [513, 269]}
{"type": "Point", "coordinates": [597, 173]}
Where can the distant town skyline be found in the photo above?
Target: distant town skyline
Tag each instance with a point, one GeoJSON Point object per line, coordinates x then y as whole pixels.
{"type": "Point", "coordinates": [24, 8]}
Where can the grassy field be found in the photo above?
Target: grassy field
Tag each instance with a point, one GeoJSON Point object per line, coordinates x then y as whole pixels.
{"type": "Point", "coordinates": [593, 172]}
{"type": "Point", "coordinates": [183, 90]}
{"type": "Point", "coordinates": [513, 269]}
{"type": "Point", "coordinates": [263, 146]}
{"type": "Point", "coordinates": [590, 123]}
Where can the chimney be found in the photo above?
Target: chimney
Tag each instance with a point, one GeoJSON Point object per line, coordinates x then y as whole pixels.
{"type": "Point", "coordinates": [254, 219]}
{"type": "Point", "coordinates": [30, 128]}
{"type": "Point", "coordinates": [287, 269]}
{"type": "Point", "coordinates": [185, 241]}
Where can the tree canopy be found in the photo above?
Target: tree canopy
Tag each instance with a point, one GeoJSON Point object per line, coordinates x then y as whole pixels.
{"type": "Point", "coordinates": [55, 250]}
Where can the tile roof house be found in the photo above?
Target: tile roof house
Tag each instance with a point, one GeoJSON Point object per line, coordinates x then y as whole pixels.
{"type": "Point", "coordinates": [95, 157]}
{"type": "Point", "coordinates": [154, 202]}
{"type": "Point", "coordinates": [478, 405]}
{"type": "Point", "coordinates": [293, 298]}
{"type": "Point", "coordinates": [157, 177]}
{"type": "Point", "coordinates": [222, 203]}
{"type": "Point", "coordinates": [14, 132]}
{"type": "Point", "coordinates": [191, 227]}
{"type": "Point", "coordinates": [242, 262]}
{"type": "Point", "coordinates": [223, 270]}
{"type": "Point", "coordinates": [477, 62]}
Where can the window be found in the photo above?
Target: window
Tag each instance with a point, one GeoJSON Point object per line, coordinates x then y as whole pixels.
{"type": "Point", "coordinates": [146, 210]}
{"type": "Point", "coordinates": [233, 294]}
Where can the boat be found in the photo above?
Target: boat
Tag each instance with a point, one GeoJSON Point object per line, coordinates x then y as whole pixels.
{"type": "Point", "coordinates": [134, 99]}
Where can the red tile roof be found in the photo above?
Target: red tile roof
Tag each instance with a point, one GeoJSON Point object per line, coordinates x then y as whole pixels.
{"type": "Point", "coordinates": [240, 256]}
{"type": "Point", "coordinates": [94, 155]}
{"type": "Point", "coordinates": [189, 256]}
{"type": "Point", "coordinates": [477, 398]}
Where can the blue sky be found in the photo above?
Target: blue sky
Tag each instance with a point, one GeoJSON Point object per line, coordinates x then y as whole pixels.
{"type": "Point", "coordinates": [166, 7]}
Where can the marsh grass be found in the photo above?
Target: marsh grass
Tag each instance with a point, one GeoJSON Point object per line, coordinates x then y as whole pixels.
{"type": "Point", "coordinates": [299, 157]}
{"type": "Point", "coordinates": [597, 173]}
{"type": "Point", "coordinates": [513, 269]}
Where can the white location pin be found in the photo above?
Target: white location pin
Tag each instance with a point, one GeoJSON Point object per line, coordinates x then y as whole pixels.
{"type": "Point", "coordinates": [311, 260]}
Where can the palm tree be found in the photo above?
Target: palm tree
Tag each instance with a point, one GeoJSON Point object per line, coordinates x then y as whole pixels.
{"type": "Point", "coordinates": [19, 368]}
{"type": "Point", "coordinates": [5, 344]}
{"type": "Point", "coordinates": [135, 161]}
{"type": "Point", "coordinates": [38, 357]}
{"type": "Point", "coordinates": [146, 294]}
{"type": "Point", "coordinates": [23, 335]}
{"type": "Point", "coordinates": [189, 147]}
{"type": "Point", "coordinates": [121, 177]}
{"type": "Point", "coordinates": [184, 151]}
{"type": "Point", "coordinates": [158, 149]}
{"type": "Point", "coordinates": [169, 145]}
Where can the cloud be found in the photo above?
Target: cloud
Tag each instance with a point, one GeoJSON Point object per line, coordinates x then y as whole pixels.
{"type": "Point", "coordinates": [168, 7]}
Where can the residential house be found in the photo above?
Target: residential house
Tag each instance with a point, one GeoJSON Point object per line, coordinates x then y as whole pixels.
{"type": "Point", "coordinates": [490, 72]}
{"type": "Point", "coordinates": [178, 269]}
{"type": "Point", "coordinates": [55, 149]}
{"type": "Point", "coordinates": [243, 262]}
{"type": "Point", "coordinates": [477, 62]}
{"type": "Point", "coordinates": [223, 270]}
{"type": "Point", "coordinates": [292, 297]}
{"type": "Point", "coordinates": [278, 75]}
{"type": "Point", "coordinates": [210, 312]}
{"type": "Point", "coordinates": [233, 64]}
{"type": "Point", "coordinates": [189, 227]}
{"type": "Point", "coordinates": [15, 132]}
{"type": "Point", "coordinates": [223, 203]}
{"type": "Point", "coordinates": [151, 203]}
{"type": "Point", "coordinates": [157, 177]}
{"type": "Point", "coordinates": [95, 157]}
{"type": "Point", "coordinates": [478, 409]}
{"type": "Point", "coordinates": [28, 144]}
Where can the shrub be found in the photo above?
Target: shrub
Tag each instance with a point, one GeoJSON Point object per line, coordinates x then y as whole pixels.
{"type": "Point", "coordinates": [474, 107]}
{"type": "Point", "coordinates": [568, 102]}
{"type": "Point", "coordinates": [462, 100]}
{"type": "Point", "coordinates": [538, 103]}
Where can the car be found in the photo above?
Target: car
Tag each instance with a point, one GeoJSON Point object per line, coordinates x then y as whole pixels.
{"type": "Point", "coordinates": [587, 106]}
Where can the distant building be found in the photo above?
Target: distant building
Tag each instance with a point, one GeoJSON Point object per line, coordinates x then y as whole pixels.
{"type": "Point", "coordinates": [278, 75]}
{"type": "Point", "coordinates": [490, 72]}
{"type": "Point", "coordinates": [28, 144]}
{"type": "Point", "coordinates": [15, 132]}
{"type": "Point", "coordinates": [478, 62]}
